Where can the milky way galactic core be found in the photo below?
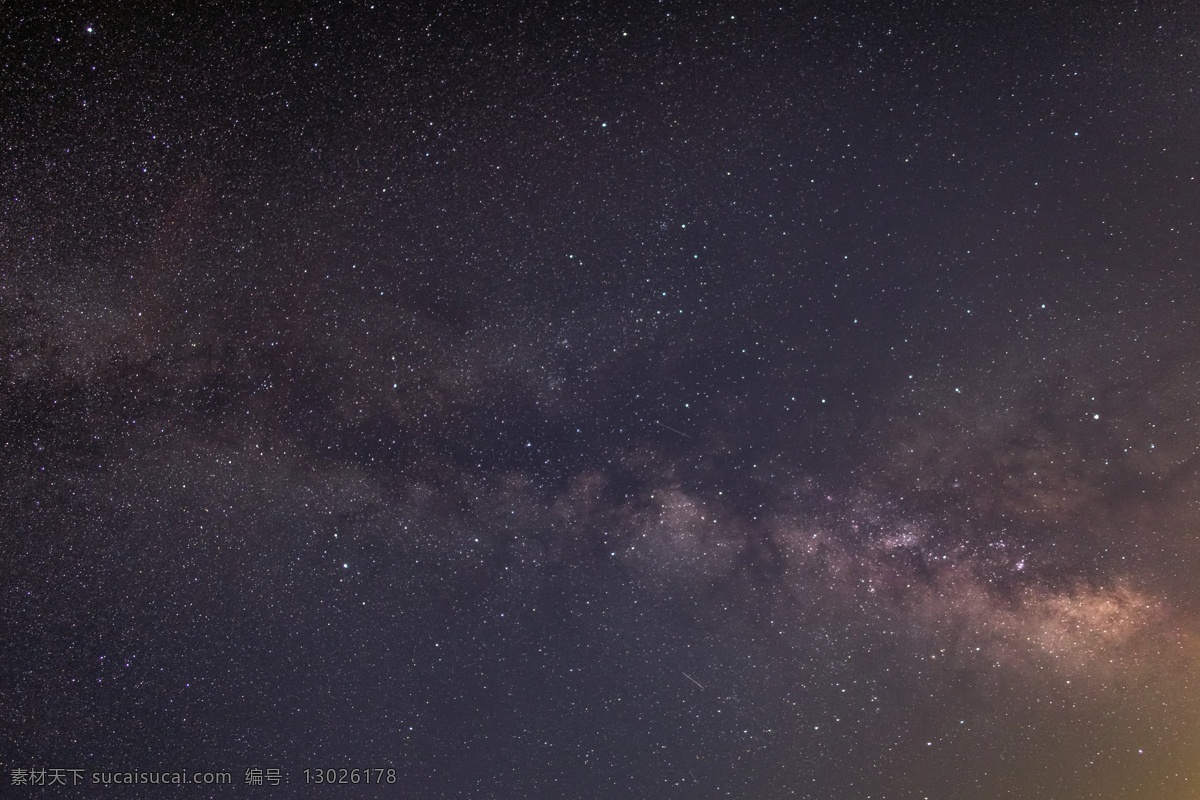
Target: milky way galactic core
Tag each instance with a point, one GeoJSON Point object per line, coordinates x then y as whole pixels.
{"type": "Point", "coordinates": [602, 401]}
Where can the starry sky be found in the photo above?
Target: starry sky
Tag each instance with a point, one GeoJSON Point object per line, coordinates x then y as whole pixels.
{"type": "Point", "coordinates": [598, 400]}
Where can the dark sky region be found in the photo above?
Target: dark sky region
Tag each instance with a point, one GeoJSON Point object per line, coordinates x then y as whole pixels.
{"type": "Point", "coordinates": [581, 400]}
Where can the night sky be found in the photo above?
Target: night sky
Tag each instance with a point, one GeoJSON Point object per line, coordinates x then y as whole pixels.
{"type": "Point", "coordinates": [582, 400]}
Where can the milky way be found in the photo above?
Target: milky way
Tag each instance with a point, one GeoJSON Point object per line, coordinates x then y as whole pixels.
{"type": "Point", "coordinates": [603, 401]}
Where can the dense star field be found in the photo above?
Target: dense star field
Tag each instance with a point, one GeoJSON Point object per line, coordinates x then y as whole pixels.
{"type": "Point", "coordinates": [581, 400]}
